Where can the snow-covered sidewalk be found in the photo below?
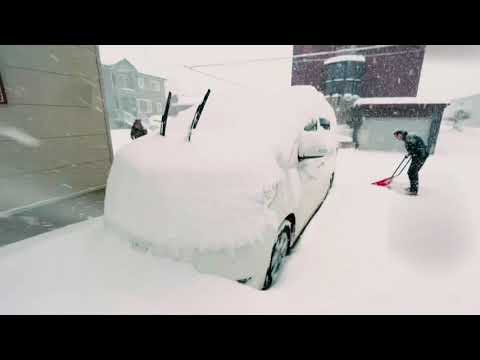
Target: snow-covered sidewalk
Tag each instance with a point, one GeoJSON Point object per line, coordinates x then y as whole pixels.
{"type": "Point", "coordinates": [374, 250]}
{"type": "Point", "coordinates": [368, 250]}
{"type": "Point", "coordinates": [120, 137]}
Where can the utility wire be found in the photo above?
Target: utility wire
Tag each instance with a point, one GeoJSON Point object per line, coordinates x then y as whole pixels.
{"type": "Point", "coordinates": [216, 77]}
{"type": "Point", "coordinates": [299, 61]}
{"type": "Point", "coordinates": [298, 56]}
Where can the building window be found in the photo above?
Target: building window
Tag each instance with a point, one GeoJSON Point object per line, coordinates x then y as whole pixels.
{"type": "Point", "coordinates": [155, 85]}
{"type": "Point", "coordinates": [159, 108]}
{"type": "Point", "coordinates": [348, 87]}
{"type": "Point", "coordinates": [144, 106]}
{"type": "Point", "coordinates": [141, 83]}
{"type": "Point", "coordinates": [117, 104]}
{"type": "Point", "coordinates": [124, 81]}
{"type": "Point", "coordinates": [128, 104]}
{"type": "Point", "coordinates": [339, 72]}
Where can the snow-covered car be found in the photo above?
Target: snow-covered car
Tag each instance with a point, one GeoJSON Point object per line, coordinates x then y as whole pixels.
{"type": "Point", "coordinates": [153, 123]}
{"type": "Point", "coordinates": [235, 200]}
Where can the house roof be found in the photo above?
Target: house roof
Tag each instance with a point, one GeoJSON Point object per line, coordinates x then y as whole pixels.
{"type": "Point", "coordinates": [153, 76]}
{"type": "Point", "coordinates": [124, 62]}
{"type": "Point", "coordinates": [398, 100]}
{"type": "Point", "coordinates": [474, 97]}
{"type": "Point", "coordinates": [127, 63]}
{"type": "Point", "coordinates": [356, 58]}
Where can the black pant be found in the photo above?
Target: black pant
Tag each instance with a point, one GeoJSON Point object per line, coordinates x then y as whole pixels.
{"type": "Point", "coordinates": [415, 166]}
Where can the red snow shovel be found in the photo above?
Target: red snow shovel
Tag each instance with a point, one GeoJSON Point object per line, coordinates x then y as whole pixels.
{"type": "Point", "coordinates": [387, 181]}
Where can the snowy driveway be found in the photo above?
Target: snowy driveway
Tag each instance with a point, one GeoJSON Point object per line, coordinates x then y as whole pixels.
{"type": "Point", "coordinates": [368, 250]}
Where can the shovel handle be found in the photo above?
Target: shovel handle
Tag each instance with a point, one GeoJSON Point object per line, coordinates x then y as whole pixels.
{"type": "Point", "coordinates": [398, 167]}
{"type": "Point", "coordinates": [404, 166]}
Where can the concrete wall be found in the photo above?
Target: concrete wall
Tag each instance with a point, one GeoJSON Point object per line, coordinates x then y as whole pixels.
{"type": "Point", "coordinates": [55, 96]}
{"type": "Point", "coordinates": [377, 133]}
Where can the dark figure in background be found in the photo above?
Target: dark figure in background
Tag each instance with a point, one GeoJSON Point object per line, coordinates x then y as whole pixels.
{"type": "Point", "coordinates": [137, 130]}
{"type": "Point", "coordinates": [418, 151]}
{"type": "Point", "coordinates": [355, 123]}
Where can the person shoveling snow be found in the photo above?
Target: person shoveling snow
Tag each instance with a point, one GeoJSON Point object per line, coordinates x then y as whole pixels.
{"type": "Point", "coordinates": [418, 152]}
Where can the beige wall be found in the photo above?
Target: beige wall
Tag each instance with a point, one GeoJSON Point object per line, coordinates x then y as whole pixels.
{"type": "Point", "coordinates": [54, 95]}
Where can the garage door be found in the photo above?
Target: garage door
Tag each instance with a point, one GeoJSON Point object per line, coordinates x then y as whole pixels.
{"type": "Point", "coordinates": [377, 133]}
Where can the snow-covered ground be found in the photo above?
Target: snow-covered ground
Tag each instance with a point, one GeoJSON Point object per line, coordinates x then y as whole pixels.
{"type": "Point", "coordinates": [120, 137]}
{"type": "Point", "coordinates": [368, 250]}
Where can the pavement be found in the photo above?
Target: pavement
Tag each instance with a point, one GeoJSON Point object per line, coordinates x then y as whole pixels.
{"type": "Point", "coordinates": [50, 217]}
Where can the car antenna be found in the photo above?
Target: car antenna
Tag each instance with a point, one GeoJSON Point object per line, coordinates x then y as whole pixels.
{"type": "Point", "coordinates": [163, 124]}
{"type": "Point", "coordinates": [198, 113]}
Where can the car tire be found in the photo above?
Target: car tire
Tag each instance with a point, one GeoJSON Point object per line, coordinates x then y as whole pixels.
{"type": "Point", "coordinates": [279, 253]}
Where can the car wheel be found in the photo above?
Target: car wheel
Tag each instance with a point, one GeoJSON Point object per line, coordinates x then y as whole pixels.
{"type": "Point", "coordinates": [277, 259]}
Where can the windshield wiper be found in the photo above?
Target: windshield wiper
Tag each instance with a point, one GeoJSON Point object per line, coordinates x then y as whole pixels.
{"type": "Point", "coordinates": [196, 118]}
{"type": "Point", "coordinates": [163, 124]}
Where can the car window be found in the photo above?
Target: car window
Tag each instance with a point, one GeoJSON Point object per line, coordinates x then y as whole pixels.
{"type": "Point", "coordinates": [311, 126]}
{"type": "Point", "coordinates": [324, 123]}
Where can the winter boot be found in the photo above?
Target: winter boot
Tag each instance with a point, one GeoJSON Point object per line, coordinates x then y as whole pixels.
{"type": "Point", "coordinates": [412, 192]}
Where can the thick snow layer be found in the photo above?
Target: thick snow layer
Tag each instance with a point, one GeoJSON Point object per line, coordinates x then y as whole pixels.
{"type": "Point", "coordinates": [155, 197]}
{"type": "Point", "coordinates": [120, 137]}
{"type": "Point", "coordinates": [369, 250]}
{"type": "Point", "coordinates": [84, 269]}
{"type": "Point", "coordinates": [398, 100]}
{"type": "Point", "coordinates": [241, 147]}
{"type": "Point", "coordinates": [356, 58]}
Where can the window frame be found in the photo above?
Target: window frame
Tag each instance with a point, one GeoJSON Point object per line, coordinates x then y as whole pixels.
{"type": "Point", "coordinates": [155, 85]}
{"type": "Point", "coordinates": [159, 107]}
{"type": "Point", "coordinates": [123, 77]}
{"type": "Point", "coordinates": [148, 106]}
{"type": "Point", "coordinates": [322, 126]}
{"type": "Point", "coordinates": [312, 126]}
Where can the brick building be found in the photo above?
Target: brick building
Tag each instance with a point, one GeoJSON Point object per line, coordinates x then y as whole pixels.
{"type": "Point", "coordinates": [390, 71]}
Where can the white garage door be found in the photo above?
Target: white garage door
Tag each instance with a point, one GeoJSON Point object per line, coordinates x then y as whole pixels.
{"type": "Point", "coordinates": [377, 133]}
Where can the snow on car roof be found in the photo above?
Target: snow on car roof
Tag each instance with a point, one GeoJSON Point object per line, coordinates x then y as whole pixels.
{"type": "Point", "coordinates": [397, 100]}
{"type": "Point", "coordinates": [356, 58]}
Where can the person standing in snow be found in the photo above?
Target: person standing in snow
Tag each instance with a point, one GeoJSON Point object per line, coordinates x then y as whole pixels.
{"type": "Point", "coordinates": [418, 151]}
{"type": "Point", "coordinates": [137, 130]}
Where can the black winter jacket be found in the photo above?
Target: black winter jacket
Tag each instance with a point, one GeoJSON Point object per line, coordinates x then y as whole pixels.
{"type": "Point", "coordinates": [416, 147]}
